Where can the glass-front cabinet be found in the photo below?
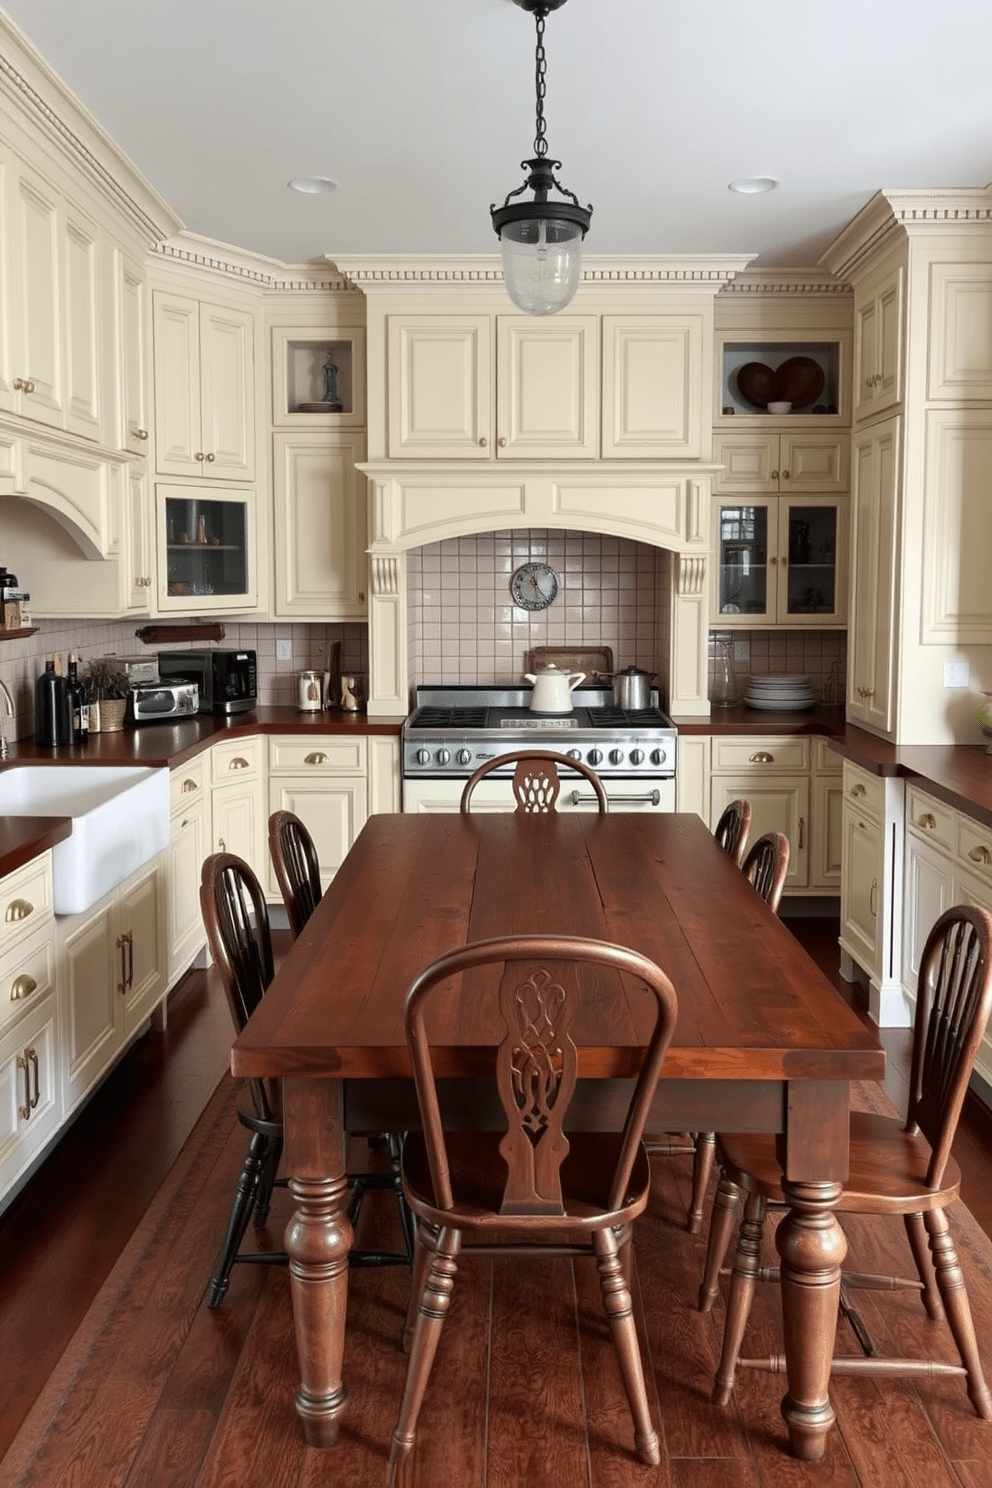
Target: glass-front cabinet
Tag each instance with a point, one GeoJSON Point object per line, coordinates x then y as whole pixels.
{"type": "Point", "coordinates": [781, 562]}
{"type": "Point", "coordinates": [207, 550]}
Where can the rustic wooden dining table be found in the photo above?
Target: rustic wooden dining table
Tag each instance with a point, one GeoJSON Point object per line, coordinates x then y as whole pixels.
{"type": "Point", "coordinates": [763, 1041]}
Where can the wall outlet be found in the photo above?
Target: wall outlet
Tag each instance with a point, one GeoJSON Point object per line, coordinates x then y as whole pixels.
{"type": "Point", "coordinates": [284, 650]}
{"type": "Point", "coordinates": [956, 674]}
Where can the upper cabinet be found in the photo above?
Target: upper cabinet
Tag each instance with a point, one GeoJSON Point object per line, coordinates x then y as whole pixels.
{"type": "Point", "coordinates": [782, 464]}
{"type": "Point", "coordinates": [878, 343]}
{"type": "Point", "coordinates": [51, 320]}
{"type": "Point", "coordinates": [133, 369]}
{"type": "Point", "coordinates": [483, 387]}
{"type": "Point", "coordinates": [204, 389]}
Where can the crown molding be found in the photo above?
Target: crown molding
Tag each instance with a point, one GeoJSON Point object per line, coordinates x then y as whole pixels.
{"type": "Point", "coordinates": [213, 260]}
{"type": "Point", "coordinates": [802, 284]}
{"type": "Point", "coordinates": [383, 273]}
{"type": "Point", "coordinates": [893, 215]}
{"type": "Point", "coordinates": [45, 109]}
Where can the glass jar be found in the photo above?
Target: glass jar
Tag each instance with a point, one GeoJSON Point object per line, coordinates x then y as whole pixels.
{"type": "Point", "coordinates": [724, 692]}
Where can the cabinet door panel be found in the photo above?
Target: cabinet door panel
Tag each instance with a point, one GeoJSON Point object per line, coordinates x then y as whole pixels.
{"type": "Point", "coordinates": [827, 832]}
{"type": "Point", "coordinates": [927, 893]}
{"type": "Point", "coordinates": [334, 812]}
{"type": "Point", "coordinates": [861, 889]}
{"type": "Point", "coordinates": [872, 617]}
{"type": "Point", "coordinates": [957, 528]}
{"type": "Point", "coordinates": [177, 386]}
{"type": "Point", "coordinates": [29, 1082]}
{"type": "Point", "coordinates": [814, 462]}
{"type": "Point", "coordinates": [141, 921]}
{"type": "Point", "coordinates": [440, 385]}
{"type": "Point", "coordinates": [237, 824]}
{"type": "Point", "coordinates": [93, 979]}
{"type": "Point", "coordinates": [132, 351]}
{"type": "Point", "coordinates": [652, 397]}
{"type": "Point", "coordinates": [227, 372]}
{"type": "Point", "coordinates": [84, 326]}
{"type": "Point", "coordinates": [778, 804]}
{"type": "Point", "coordinates": [184, 856]}
{"type": "Point", "coordinates": [38, 354]}
{"type": "Point", "coordinates": [547, 388]}
{"type": "Point", "coordinates": [320, 540]}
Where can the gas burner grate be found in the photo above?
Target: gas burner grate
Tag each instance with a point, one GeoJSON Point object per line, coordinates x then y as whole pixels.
{"type": "Point", "coordinates": [436, 717]}
{"type": "Point", "coordinates": [612, 717]}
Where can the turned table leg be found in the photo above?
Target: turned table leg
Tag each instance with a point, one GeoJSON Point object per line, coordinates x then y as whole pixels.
{"type": "Point", "coordinates": [811, 1247]}
{"type": "Point", "coordinates": [318, 1239]}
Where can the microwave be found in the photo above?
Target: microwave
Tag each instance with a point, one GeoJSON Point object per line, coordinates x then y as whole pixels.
{"type": "Point", "coordinates": [227, 680]}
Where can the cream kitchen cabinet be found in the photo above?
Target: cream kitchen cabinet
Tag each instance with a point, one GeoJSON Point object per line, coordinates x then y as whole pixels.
{"type": "Point", "coordinates": [871, 891]}
{"type": "Point", "coordinates": [133, 344]}
{"type": "Point", "coordinates": [111, 976]}
{"type": "Point", "coordinates": [50, 349]}
{"type": "Point", "coordinates": [479, 387]}
{"type": "Point", "coordinates": [320, 526]}
{"type": "Point", "coordinates": [237, 800]}
{"type": "Point", "coordinates": [189, 844]}
{"type": "Point", "coordinates": [780, 561]}
{"type": "Point", "coordinates": [826, 834]}
{"type": "Point", "coordinates": [773, 774]}
{"type": "Point", "coordinates": [957, 528]}
{"type": "Point", "coordinates": [208, 548]}
{"type": "Point", "coordinates": [795, 464]}
{"type": "Point", "coordinates": [872, 632]}
{"type": "Point", "coordinates": [204, 389]}
{"type": "Point", "coordinates": [879, 311]}
{"type": "Point", "coordinates": [652, 387]}
{"type": "Point", "coordinates": [325, 782]}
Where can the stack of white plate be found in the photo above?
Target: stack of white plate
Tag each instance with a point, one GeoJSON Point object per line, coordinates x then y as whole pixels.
{"type": "Point", "coordinates": [779, 693]}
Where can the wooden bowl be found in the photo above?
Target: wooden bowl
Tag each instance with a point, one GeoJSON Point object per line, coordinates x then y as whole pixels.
{"type": "Point", "coordinates": [756, 384]}
{"type": "Point", "coordinates": [799, 381]}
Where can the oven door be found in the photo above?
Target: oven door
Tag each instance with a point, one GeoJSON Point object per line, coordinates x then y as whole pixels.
{"type": "Point", "coordinates": [495, 795]}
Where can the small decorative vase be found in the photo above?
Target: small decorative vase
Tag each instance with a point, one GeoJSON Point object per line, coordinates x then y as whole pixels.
{"type": "Point", "coordinates": [112, 715]}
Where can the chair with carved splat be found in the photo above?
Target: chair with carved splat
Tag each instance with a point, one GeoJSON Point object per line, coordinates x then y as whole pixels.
{"type": "Point", "coordinates": [896, 1168]}
{"type": "Point", "coordinates": [537, 1187]}
{"type": "Point", "coordinates": [536, 782]}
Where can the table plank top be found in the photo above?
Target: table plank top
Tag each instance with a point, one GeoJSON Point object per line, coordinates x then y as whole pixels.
{"type": "Point", "coordinates": [752, 1005]}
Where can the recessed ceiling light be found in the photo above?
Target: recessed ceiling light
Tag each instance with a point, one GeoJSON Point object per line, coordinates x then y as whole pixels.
{"type": "Point", "coordinates": [753, 185]}
{"type": "Point", "coordinates": [313, 185]}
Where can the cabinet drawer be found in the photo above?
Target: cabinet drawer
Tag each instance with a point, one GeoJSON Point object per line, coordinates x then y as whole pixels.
{"type": "Point", "coordinates": [826, 761]}
{"type": "Point", "coordinates": [188, 782]}
{"type": "Point", "coordinates": [236, 759]}
{"type": "Point", "coordinates": [27, 974]}
{"type": "Point", "coordinates": [326, 756]}
{"type": "Point", "coordinates": [25, 900]}
{"type": "Point", "coordinates": [771, 753]}
{"type": "Point", "coordinates": [929, 820]}
{"type": "Point", "coordinates": [974, 848]}
{"type": "Point", "coordinates": [864, 791]}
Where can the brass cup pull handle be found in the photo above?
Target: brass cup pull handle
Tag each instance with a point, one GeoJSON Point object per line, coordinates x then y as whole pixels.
{"type": "Point", "coordinates": [317, 758]}
{"type": "Point", "coordinates": [189, 785]}
{"type": "Point", "coordinates": [22, 987]}
{"type": "Point", "coordinates": [858, 790]}
{"type": "Point", "coordinates": [239, 763]}
{"type": "Point", "coordinates": [980, 855]}
{"type": "Point", "coordinates": [927, 820]}
{"type": "Point", "coordinates": [762, 757]}
{"type": "Point", "coordinates": [18, 909]}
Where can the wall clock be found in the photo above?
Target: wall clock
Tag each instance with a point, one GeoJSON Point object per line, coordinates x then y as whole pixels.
{"type": "Point", "coordinates": [534, 586]}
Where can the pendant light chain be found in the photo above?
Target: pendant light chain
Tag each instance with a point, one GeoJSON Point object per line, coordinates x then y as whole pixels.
{"type": "Point", "coordinates": [540, 80]}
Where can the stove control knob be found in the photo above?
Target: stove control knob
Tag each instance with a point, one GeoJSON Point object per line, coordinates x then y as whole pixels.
{"type": "Point", "coordinates": [637, 756]}
{"type": "Point", "coordinates": [464, 756]}
{"type": "Point", "coordinates": [658, 756]}
{"type": "Point", "coordinates": [423, 756]}
{"type": "Point", "coordinates": [595, 756]}
{"type": "Point", "coordinates": [443, 756]}
{"type": "Point", "coordinates": [616, 756]}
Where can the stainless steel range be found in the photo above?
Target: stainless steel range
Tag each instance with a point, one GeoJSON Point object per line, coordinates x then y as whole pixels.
{"type": "Point", "coordinates": [453, 730]}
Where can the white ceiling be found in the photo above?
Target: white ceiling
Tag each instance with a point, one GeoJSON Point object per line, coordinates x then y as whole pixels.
{"type": "Point", "coordinates": [423, 109]}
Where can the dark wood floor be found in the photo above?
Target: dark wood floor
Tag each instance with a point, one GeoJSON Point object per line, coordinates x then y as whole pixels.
{"type": "Point", "coordinates": [222, 1413]}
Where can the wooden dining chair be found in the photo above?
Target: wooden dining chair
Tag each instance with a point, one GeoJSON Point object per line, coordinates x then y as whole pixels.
{"type": "Point", "coordinates": [896, 1168]}
{"type": "Point", "coordinates": [297, 870]}
{"type": "Point", "coordinates": [537, 1187]}
{"type": "Point", "coordinates": [294, 859]}
{"type": "Point", "coordinates": [236, 920]}
{"type": "Point", "coordinates": [765, 866]}
{"type": "Point", "coordinates": [732, 829]}
{"type": "Point", "coordinates": [536, 783]}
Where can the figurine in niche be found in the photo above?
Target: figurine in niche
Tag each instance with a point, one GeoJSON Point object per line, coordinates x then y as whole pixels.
{"type": "Point", "coordinates": [330, 400]}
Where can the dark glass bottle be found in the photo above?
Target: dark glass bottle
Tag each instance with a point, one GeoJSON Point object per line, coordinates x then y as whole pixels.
{"type": "Point", "coordinates": [47, 706]}
{"type": "Point", "coordinates": [78, 707]}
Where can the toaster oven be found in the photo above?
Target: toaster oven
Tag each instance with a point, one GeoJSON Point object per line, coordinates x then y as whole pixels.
{"type": "Point", "coordinates": [150, 702]}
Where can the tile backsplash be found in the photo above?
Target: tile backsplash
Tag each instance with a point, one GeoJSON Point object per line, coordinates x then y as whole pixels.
{"type": "Point", "coordinates": [22, 660]}
{"type": "Point", "coordinates": [820, 655]}
{"type": "Point", "coordinates": [463, 626]}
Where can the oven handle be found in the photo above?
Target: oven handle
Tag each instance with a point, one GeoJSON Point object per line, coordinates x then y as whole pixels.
{"type": "Point", "coordinates": [653, 798]}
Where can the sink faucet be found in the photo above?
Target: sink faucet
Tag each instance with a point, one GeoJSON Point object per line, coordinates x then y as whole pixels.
{"type": "Point", "coordinates": [9, 701]}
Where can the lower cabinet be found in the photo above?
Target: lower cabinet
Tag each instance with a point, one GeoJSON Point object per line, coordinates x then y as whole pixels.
{"type": "Point", "coordinates": [871, 891]}
{"type": "Point", "coordinates": [237, 801]}
{"type": "Point", "coordinates": [189, 839]}
{"type": "Point", "coordinates": [112, 974]}
{"type": "Point", "coordinates": [325, 782]}
{"type": "Point", "coordinates": [773, 774]}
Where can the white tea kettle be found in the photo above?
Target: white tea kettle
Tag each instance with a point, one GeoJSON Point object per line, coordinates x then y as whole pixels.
{"type": "Point", "coordinates": [552, 690]}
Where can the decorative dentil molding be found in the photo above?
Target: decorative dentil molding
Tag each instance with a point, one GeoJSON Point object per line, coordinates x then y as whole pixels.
{"type": "Point", "coordinates": [892, 215]}
{"type": "Point", "coordinates": [385, 272]}
{"type": "Point", "coordinates": [225, 260]}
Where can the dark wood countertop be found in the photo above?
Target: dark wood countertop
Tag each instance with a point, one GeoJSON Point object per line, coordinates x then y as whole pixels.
{"type": "Point", "coordinates": [25, 837]}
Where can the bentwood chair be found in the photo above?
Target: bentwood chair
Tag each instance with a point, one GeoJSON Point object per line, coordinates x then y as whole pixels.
{"type": "Point", "coordinates": [294, 858]}
{"type": "Point", "coordinates": [236, 920]}
{"type": "Point", "coordinates": [765, 867]}
{"type": "Point", "coordinates": [896, 1168]}
{"type": "Point", "coordinates": [536, 783]}
{"type": "Point", "coordinates": [732, 829]}
{"type": "Point", "coordinates": [538, 1187]}
{"type": "Point", "coordinates": [297, 870]}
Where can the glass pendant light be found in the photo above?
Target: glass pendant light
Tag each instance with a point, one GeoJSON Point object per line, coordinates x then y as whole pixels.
{"type": "Point", "coordinates": [542, 239]}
